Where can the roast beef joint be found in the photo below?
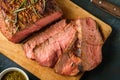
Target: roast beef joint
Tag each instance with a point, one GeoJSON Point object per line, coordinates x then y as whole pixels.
{"type": "Point", "coordinates": [23, 17]}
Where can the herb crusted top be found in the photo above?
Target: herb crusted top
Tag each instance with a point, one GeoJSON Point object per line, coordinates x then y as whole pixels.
{"type": "Point", "coordinates": [19, 14]}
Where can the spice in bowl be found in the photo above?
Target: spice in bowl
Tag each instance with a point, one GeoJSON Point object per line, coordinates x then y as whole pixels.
{"type": "Point", "coordinates": [13, 74]}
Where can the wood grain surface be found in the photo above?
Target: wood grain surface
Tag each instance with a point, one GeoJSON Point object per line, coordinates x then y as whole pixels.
{"type": "Point", "coordinates": [16, 53]}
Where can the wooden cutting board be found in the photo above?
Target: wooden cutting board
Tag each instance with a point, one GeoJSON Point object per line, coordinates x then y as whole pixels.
{"type": "Point", "coordinates": [16, 53]}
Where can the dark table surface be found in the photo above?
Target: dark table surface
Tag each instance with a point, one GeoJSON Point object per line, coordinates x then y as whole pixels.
{"type": "Point", "coordinates": [109, 69]}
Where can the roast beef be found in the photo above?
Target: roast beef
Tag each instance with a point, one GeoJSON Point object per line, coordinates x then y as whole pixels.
{"type": "Point", "coordinates": [69, 48]}
{"type": "Point", "coordinates": [89, 48]}
{"type": "Point", "coordinates": [48, 53]}
{"type": "Point", "coordinates": [85, 54]}
{"type": "Point", "coordinates": [46, 47]}
{"type": "Point", "coordinates": [41, 37]}
{"type": "Point", "coordinates": [68, 64]}
{"type": "Point", "coordinates": [20, 18]}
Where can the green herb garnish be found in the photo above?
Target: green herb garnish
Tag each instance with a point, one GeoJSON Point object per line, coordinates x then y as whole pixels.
{"type": "Point", "coordinates": [36, 12]}
{"type": "Point", "coordinates": [16, 18]}
{"type": "Point", "coordinates": [44, 4]}
{"type": "Point", "coordinates": [18, 10]}
{"type": "Point", "coordinates": [23, 4]}
{"type": "Point", "coordinates": [33, 1]}
{"type": "Point", "coordinates": [17, 28]}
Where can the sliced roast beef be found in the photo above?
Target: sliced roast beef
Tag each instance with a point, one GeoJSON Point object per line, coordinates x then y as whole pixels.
{"type": "Point", "coordinates": [68, 64]}
{"type": "Point", "coordinates": [86, 53]}
{"type": "Point", "coordinates": [48, 53]}
{"type": "Point", "coordinates": [69, 48]}
{"type": "Point", "coordinates": [23, 17]}
{"type": "Point", "coordinates": [41, 37]}
{"type": "Point", "coordinates": [91, 43]}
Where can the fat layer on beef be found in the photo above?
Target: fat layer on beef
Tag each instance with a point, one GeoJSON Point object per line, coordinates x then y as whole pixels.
{"type": "Point", "coordinates": [20, 18]}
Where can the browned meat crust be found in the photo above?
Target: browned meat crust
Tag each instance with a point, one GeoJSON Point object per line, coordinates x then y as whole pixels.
{"type": "Point", "coordinates": [20, 18]}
